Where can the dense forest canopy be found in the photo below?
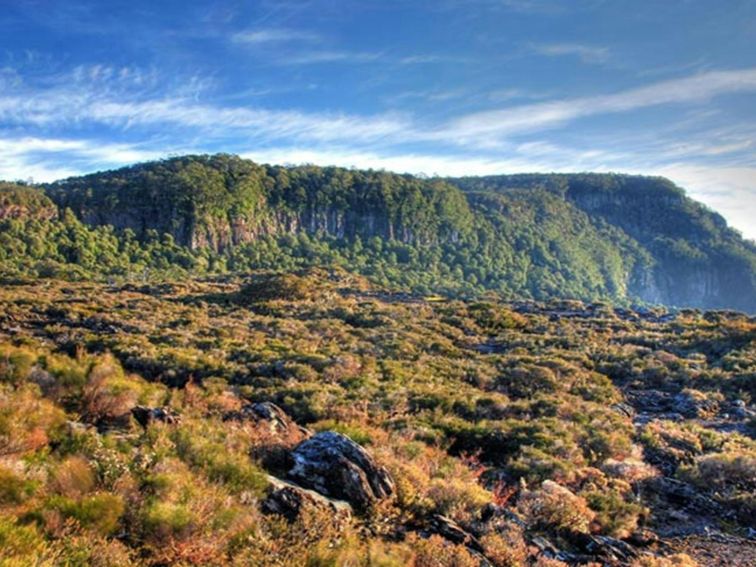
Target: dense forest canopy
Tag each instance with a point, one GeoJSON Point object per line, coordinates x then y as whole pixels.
{"type": "Point", "coordinates": [587, 236]}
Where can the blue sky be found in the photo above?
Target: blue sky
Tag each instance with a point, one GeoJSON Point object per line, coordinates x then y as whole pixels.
{"type": "Point", "coordinates": [435, 87]}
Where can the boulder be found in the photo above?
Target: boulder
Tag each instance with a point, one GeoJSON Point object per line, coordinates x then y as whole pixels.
{"type": "Point", "coordinates": [267, 413]}
{"type": "Point", "coordinates": [643, 537]}
{"type": "Point", "coordinates": [491, 512]}
{"type": "Point", "coordinates": [335, 466]}
{"type": "Point", "coordinates": [550, 551]}
{"type": "Point", "coordinates": [610, 549]}
{"type": "Point", "coordinates": [624, 409]}
{"type": "Point", "coordinates": [146, 415]}
{"type": "Point", "coordinates": [452, 531]}
{"type": "Point", "coordinates": [685, 497]}
{"type": "Point", "coordinates": [46, 381]}
{"type": "Point", "coordinates": [289, 500]}
{"type": "Point", "coordinates": [739, 410]}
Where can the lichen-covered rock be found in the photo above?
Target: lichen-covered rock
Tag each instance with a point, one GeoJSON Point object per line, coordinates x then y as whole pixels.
{"type": "Point", "coordinates": [46, 381]}
{"type": "Point", "coordinates": [289, 500]}
{"type": "Point", "coordinates": [335, 466]}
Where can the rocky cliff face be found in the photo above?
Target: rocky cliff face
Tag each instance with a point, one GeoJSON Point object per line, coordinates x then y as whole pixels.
{"type": "Point", "coordinates": [697, 260]}
{"type": "Point", "coordinates": [219, 201]}
{"type": "Point", "coordinates": [619, 236]}
{"type": "Point", "coordinates": [22, 202]}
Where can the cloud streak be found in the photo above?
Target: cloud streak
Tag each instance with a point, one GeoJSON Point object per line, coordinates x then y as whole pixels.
{"type": "Point", "coordinates": [551, 114]}
{"type": "Point", "coordinates": [586, 53]}
{"type": "Point", "coordinates": [48, 159]}
{"type": "Point", "coordinates": [118, 104]}
{"type": "Point", "coordinates": [273, 36]}
{"type": "Point", "coordinates": [127, 108]}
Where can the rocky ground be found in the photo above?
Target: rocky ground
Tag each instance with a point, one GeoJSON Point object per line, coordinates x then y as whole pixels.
{"type": "Point", "coordinates": [510, 433]}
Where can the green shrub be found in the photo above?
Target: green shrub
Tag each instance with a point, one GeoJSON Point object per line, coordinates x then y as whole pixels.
{"type": "Point", "coordinates": [219, 464]}
{"type": "Point", "coordinates": [15, 364]}
{"type": "Point", "coordinates": [355, 432]}
{"type": "Point", "coordinates": [100, 513]}
{"type": "Point", "coordinates": [167, 519]}
{"type": "Point", "coordinates": [13, 488]}
{"type": "Point", "coordinates": [20, 545]}
{"type": "Point", "coordinates": [615, 515]}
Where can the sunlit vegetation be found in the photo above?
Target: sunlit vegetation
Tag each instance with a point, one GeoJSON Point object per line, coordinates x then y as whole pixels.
{"type": "Point", "coordinates": [592, 237]}
{"type": "Point", "coordinates": [521, 423]}
{"type": "Point", "coordinates": [173, 333]}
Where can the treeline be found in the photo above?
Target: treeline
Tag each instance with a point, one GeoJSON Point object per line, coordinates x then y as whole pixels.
{"type": "Point", "coordinates": [585, 236]}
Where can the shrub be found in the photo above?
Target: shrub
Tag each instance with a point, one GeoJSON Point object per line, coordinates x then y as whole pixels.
{"type": "Point", "coordinates": [108, 393]}
{"type": "Point", "coordinates": [73, 477]}
{"type": "Point", "coordinates": [437, 552]}
{"type": "Point", "coordinates": [676, 560]}
{"type": "Point", "coordinates": [506, 547]}
{"type": "Point", "coordinates": [27, 422]}
{"type": "Point", "coordinates": [432, 482]}
{"type": "Point", "coordinates": [91, 550]}
{"type": "Point", "coordinates": [269, 287]}
{"type": "Point", "coordinates": [555, 507]}
{"type": "Point", "coordinates": [100, 513]}
{"type": "Point", "coordinates": [15, 364]}
{"type": "Point", "coordinates": [458, 498]}
{"type": "Point", "coordinates": [527, 380]}
{"type": "Point", "coordinates": [725, 470]}
{"type": "Point", "coordinates": [13, 488]}
{"type": "Point", "coordinates": [535, 465]}
{"type": "Point", "coordinates": [615, 515]}
{"type": "Point", "coordinates": [219, 463]}
{"type": "Point", "coordinates": [495, 318]}
{"type": "Point", "coordinates": [166, 519]}
{"type": "Point", "coordinates": [21, 545]}
{"type": "Point", "coordinates": [355, 432]}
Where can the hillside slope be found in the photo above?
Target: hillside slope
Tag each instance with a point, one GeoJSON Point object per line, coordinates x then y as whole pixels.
{"type": "Point", "coordinates": [188, 423]}
{"type": "Point", "coordinates": [697, 258]}
{"type": "Point", "coordinates": [587, 236]}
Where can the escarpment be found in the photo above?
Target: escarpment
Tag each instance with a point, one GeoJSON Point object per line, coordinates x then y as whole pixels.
{"type": "Point", "coordinates": [593, 237]}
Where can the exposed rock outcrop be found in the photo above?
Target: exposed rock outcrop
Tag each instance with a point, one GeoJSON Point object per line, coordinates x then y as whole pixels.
{"type": "Point", "coordinates": [289, 500]}
{"type": "Point", "coordinates": [452, 531]}
{"type": "Point", "coordinates": [335, 466]}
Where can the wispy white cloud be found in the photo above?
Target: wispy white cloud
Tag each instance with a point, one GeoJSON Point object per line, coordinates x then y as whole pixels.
{"type": "Point", "coordinates": [264, 123]}
{"type": "Point", "coordinates": [521, 6]}
{"type": "Point", "coordinates": [425, 59]}
{"type": "Point", "coordinates": [714, 164]}
{"type": "Point", "coordinates": [88, 103]}
{"type": "Point", "coordinates": [430, 95]}
{"type": "Point", "coordinates": [82, 104]}
{"type": "Point", "coordinates": [541, 116]}
{"type": "Point", "coordinates": [311, 57]}
{"type": "Point", "coordinates": [587, 53]}
{"type": "Point", "coordinates": [274, 35]}
{"type": "Point", "coordinates": [48, 159]}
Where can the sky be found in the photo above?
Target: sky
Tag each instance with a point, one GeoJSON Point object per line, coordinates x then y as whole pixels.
{"type": "Point", "coordinates": [447, 87]}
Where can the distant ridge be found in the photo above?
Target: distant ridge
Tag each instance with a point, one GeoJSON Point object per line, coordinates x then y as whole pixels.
{"type": "Point", "coordinates": [588, 236]}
